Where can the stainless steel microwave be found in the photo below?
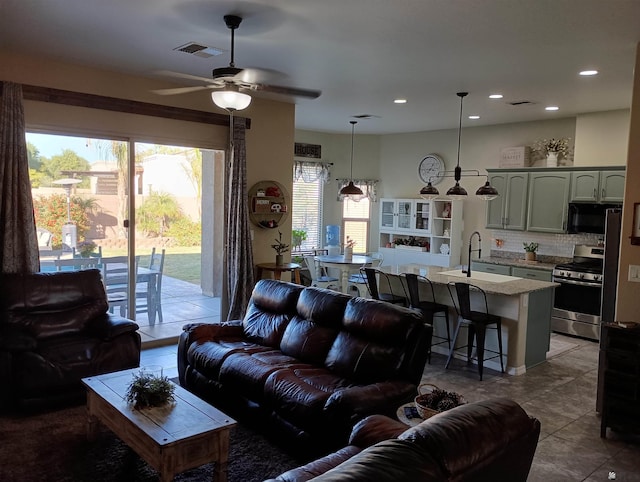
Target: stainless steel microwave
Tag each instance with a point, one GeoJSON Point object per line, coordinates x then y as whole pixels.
{"type": "Point", "coordinates": [587, 217]}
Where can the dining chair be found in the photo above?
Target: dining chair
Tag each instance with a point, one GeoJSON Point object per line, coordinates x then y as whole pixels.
{"type": "Point", "coordinates": [357, 282]}
{"type": "Point", "coordinates": [477, 323]}
{"type": "Point", "coordinates": [149, 287]}
{"type": "Point", "coordinates": [388, 295]}
{"type": "Point", "coordinates": [322, 280]}
{"type": "Point", "coordinates": [428, 306]}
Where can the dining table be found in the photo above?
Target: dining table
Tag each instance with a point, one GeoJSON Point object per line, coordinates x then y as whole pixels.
{"type": "Point", "coordinates": [346, 265]}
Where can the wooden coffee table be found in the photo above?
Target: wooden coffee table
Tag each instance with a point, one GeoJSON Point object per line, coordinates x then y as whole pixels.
{"type": "Point", "coordinates": [179, 436]}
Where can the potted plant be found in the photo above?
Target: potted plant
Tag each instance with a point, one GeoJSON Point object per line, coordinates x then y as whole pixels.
{"type": "Point", "coordinates": [280, 248]}
{"type": "Point", "coordinates": [552, 150]}
{"type": "Point", "coordinates": [348, 248]}
{"type": "Point", "coordinates": [86, 248]}
{"type": "Point", "coordinates": [148, 390]}
{"type": "Point", "coordinates": [530, 251]}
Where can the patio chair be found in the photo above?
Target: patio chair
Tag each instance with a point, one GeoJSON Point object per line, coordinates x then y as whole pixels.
{"type": "Point", "coordinates": [76, 264]}
{"type": "Point", "coordinates": [115, 275]}
{"type": "Point", "coordinates": [149, 287]}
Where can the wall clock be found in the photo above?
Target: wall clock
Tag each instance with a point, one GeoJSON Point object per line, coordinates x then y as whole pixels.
{"type": "Point", "coordinates": [431, 168]}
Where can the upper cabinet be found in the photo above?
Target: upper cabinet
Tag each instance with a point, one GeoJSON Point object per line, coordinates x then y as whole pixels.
{"type": "Point", "coordinates": [537, 199]}
{"type": "Point", "coordinates": [548, 194]}
{"type": "Point", "coordinates": [405, 215]}
{"type": "Point", "coordinates": [509, 210]}
{"type": "Point", "coordinates": [597, 186]}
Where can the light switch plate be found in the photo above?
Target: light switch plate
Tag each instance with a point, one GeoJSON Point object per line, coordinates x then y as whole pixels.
{"type": "Point", "coordinates": [634, 273]}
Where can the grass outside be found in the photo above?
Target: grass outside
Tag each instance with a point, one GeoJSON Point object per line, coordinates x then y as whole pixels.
{"type": "Point", "coordinates": [180, 262]}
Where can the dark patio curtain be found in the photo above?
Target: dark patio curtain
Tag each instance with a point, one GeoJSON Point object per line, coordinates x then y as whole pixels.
{"type": "Point", "coordinates": [18, 241]}
{"type": "Point", "coordinates": [240, 278]}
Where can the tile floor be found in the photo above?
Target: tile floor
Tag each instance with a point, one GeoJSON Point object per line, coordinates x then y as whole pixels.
{"type": "Point", "coordinates": [182, 303]}
{"type": "Point", "coordinates": [561, 393]}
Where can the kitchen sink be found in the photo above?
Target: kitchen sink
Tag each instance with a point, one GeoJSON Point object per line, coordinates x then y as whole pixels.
{"type": "Point", "coordinates": [481, 276]}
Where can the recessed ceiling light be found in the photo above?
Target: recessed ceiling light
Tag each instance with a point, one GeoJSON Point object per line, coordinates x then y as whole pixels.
{"type": "Point", "coordinates": [495, 96]}
{"type": "Point", "coordinates": [474, 117]}
{"type": "Point", "coordinates": [400, 101]}
{"type": "Point", "coordinates": [589, 72]}
{"type": "Point", "coordinates": [552, 107]}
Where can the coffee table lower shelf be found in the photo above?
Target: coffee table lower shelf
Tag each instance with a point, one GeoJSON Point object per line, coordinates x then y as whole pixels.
{"type": "Point", "coordinates": [182, 435]}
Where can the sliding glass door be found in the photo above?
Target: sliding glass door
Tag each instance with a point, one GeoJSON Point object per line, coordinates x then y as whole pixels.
{"type": "Point", "coordinates": [140, 208]}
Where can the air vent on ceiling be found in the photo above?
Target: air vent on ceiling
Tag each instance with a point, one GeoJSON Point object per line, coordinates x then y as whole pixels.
{"type": "Point", "coordinates": [365, 116]}
{"type": "Point", "coordinates": [521, 102]}
{"type": "Point", "coordinates": [199, 50]}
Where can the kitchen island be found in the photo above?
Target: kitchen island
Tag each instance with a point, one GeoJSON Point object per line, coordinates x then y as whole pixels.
{"type": "Point", "coordinates": [524, 305]}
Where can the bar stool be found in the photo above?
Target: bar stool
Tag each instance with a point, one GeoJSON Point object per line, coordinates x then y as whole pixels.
{"type": "Point", "coordinates": [429, 307]}
{"type": "Point", "coordinates": [372, 286]}
{"type": "Point", "coordinates": [477, 323]}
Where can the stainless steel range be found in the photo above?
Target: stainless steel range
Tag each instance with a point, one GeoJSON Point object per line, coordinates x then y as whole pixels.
{"type": "Point", "coordinates": [587, 292]}
{"type": "Point", "coordinates": [578, 299]}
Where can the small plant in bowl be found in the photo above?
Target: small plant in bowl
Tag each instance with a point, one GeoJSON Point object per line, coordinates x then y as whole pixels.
{"type": "Point", "coordinates": [148, 390]}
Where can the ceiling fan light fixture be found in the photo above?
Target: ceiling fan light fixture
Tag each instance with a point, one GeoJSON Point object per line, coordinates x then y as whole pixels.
{"type": "Point", "coordinates": [487, 192]}
{"type": "Point", "coordinates": [429, 192]}
{"type": "Point", "coordinates": [231, 99]}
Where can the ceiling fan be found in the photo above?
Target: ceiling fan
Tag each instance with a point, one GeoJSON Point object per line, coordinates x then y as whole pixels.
{"type": "Point", "coordinates": [235, 81]}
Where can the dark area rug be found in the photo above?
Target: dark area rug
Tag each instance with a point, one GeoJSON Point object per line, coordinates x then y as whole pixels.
{"type": "Point", "coordinates": [52, 446]}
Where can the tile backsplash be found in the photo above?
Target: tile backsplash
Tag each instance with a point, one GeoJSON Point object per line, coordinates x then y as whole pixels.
{"type": "Point", "coordinates": [556, 245]}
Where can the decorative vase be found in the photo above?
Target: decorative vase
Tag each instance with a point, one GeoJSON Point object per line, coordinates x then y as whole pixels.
{"type": "Point", "coordinates": [530, 255]}
{"type": "Point", "coordinates": [552, 159]}
{"type": "Point", "coordinates": [348, 253]}
{"type": "Point", "coordinates": [279, 259]}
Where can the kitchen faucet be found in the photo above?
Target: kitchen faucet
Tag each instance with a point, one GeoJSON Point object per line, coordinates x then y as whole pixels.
{"type": "Point", "coordinates": [479, 250]}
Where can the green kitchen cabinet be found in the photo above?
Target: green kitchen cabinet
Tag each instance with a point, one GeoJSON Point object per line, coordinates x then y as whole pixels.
{"type": "Point", "coordinates": [597, 186]}
{"type": "Point", "coordinates": [548, 201]}
{"type": "Point", "coordinates": [530, 273]}
{"type": "Point", "coordinates": [509, 210]}
{"type": "Point", "coordinates": [490, 268]}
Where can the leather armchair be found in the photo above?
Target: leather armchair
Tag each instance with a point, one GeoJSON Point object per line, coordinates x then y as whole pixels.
{"type": "Point", "coordinates": [55, 330]}
{"type": "Point", "coordinates": [489, 440]}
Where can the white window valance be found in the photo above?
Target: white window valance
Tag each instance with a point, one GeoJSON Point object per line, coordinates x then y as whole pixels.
{"type": "Point", "coordinates": [368, 187]}
{"type": "Point", "coordinates": [311, 171]}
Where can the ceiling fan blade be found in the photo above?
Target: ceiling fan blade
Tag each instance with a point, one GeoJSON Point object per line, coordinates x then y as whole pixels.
{"type": "Point", "coordinates": [183, 90]}
{"type": "Point", "coordinates": [290, 91]}
{"type": "Point", "coordinates": [254, 75]}
{"type": "Point", "coordinates": [180, 75]}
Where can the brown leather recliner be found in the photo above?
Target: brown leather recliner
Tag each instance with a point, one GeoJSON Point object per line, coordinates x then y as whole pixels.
{"type": "Point", "coordinates": [490, 440]}
{"type": "Point", "coordinates": [54, 330]}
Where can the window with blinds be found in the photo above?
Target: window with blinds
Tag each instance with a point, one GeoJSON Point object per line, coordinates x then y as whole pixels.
{"type": "Point", "coordinates": [306, 211]}
{"type": "Point", "coordinates": [355, 223]}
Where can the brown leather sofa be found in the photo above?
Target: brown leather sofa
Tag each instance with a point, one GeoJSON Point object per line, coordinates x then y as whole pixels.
{"type": "Point", "coordinates": [493, 440]}
{"type": "Point", "coordinates": [307, 362]}
{"type": "Point", "coordinates": [55, 330]}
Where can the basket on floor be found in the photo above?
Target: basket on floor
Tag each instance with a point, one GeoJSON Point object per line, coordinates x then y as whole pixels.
{"type": "Point", "coordinates": [425, 393]}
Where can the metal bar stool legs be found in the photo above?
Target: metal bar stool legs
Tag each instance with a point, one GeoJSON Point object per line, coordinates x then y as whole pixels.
{"type": "Point", "coordinates": [476, 323]}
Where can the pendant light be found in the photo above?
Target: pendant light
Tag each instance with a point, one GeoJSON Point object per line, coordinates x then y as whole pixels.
{"type": "Point", "coordinates": [352, 191]}
{"type": "Point", "coordinates": [486, 192]}
{"type": "Point", "coordinates": [457, 191]}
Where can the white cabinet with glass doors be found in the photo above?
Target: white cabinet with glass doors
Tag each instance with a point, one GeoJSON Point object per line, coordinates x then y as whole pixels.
{"type": "Point", "coordinates": [420, 231]}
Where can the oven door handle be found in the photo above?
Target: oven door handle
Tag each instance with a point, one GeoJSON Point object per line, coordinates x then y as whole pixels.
{"type": "Point", "coordinates": [579, 283]}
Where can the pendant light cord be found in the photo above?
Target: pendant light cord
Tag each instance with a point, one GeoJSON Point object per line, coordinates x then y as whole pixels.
{"type": "Point", "coordinates": [353, 126]}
